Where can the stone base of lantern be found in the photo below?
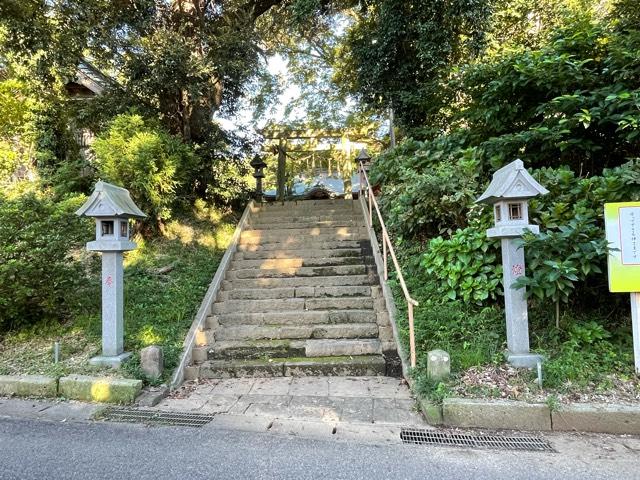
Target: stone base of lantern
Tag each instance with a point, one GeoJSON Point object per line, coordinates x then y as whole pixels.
{"type": "Point", "coordinates": [523, 360]}
{"type": "Point", "coordinates": [113, 362]}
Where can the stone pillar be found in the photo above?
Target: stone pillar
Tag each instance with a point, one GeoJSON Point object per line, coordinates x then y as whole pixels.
{"type": "Point", "coordinates": [515, 303]}
{"type": "Point", "coordinates": [112, 311]}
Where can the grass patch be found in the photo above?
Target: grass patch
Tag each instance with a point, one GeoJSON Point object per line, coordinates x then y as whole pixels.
{"type": "Point", "coordinates": [159, 308]}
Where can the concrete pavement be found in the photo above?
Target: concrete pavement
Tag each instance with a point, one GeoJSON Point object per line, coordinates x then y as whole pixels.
{"type": "Point", "coordinates": [368, 400]}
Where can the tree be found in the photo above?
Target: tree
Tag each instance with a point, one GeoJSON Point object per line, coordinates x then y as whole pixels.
{"type": "Point", "coordinates": [398, 53]}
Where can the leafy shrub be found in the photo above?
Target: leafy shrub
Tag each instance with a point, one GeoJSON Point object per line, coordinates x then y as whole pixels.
{"type": "Point", "coordinates": [467, 265]}
{"type": "Point", "coordinates": [427, 187]}
{"type": "Point", "coordinates": [149, 162]}
{"type": "Point", "coordinates": [39, 277]}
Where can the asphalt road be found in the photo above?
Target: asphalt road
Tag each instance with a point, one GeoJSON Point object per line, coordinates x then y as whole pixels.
{"type": "Point", "coordinates": [36, 449]}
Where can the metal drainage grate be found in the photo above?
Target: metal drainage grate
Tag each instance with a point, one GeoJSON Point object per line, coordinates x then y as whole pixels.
{"type": "Point", "coordinates": [420, 436]}
{"type": "Point", "coordinates": [155, 417]}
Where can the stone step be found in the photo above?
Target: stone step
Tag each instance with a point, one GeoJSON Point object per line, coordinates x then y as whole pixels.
{"type": "Point", "coordinates": [282, 332]}
{"type": "Point", "coordinates": [363, 365]}
{"type": "Point", "coordinates": [277, 223]}
{"type": "Point", "coordinates": [328, 281]}
{"type": "Point", "coordinates": [233, 349]}
{"type": "Point", "coordinates": [303, 244]}
{"type": "Point", "coordinates": [293, 292]}
{"type": "Point", "coordinates": [291, 304]}
{"type": "Point", "coordinates": [299, 272]}
{"type": "Point", "coordinates": [295, 317]}
{"type": "Point", "coordinates": [255, 349]}
{"type": "Point", "coordinates": [299, 253]}
{"type": "Point", "coordinates": [336, 203]}
{"type": "Point", "coordinates": [337, 232]}
{"type": "Point", "coordinates": [285, 263]}
{"type": "Point", "coordinates": [277, 237]}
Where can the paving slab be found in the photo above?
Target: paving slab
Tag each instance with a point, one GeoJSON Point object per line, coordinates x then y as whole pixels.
{"type": "Point", "coordinates": [357, 410]}
{"type": "Point", "coordinates": [309, 386]}
{"type": "Point", "coordinates": [271, 386]}
{"type": "Point", "coordinates": [388, 410]}
{"type": "Point", "coordinates": [233, 386]}
{"type": "Point", "coordinates": [320, 408]}
{"type": "Point", "coordinates": [349, 387]}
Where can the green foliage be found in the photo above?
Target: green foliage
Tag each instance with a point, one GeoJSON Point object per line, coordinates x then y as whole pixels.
{"type": "Point", "coordinates": [399, 53]}
{"type": "Point", "coordinates": [148, 161]}
{"type": "Point", "coordinates": [428, 186]}
{"type": "Point", "coordinates": [39, 277]}
{"type": "Point", "coordinates": [585, 353]}
{"type": "Point", "coordinates": [465, 264]}
{"type": "Point", "coordinates": [560, 257]}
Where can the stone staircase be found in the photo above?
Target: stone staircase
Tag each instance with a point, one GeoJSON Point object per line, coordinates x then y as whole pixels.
{"type": "Point", "coordinates": [301, 297]}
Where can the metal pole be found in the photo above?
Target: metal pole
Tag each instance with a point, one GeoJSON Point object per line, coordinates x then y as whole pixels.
{"type": "Point", "coordinates": [412, 339]}
{"type": "Point", "coordinates": [635, 324]}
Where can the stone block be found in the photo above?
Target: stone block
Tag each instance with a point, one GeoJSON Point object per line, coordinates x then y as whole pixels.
{"type": "Point", "coordinates": [598, 418]}
{"type": "Point", "coordinates": [496, 414]}
{"type": "Point", "coordinates": [100, 389]}
{"type": "Point", "coordinates": [151, 396]}
{"type": "Point", "coordinates": [191, 372]}
{"type": "Point", "coordinates": [9, 384]}
{"type": "Point", "coordinates": [28, 385]}
{"type": "Point", "coordinates": [432, 412]}
{"type": "Point", "coordinates": [152, 361]}
{"type": "Point", "coordinates": [438, 365]}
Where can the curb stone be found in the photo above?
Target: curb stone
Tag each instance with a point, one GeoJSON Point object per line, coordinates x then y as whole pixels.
{"type": "Point", "coordinates": [496, 414]}
{"type": "Point", "coordinates": [28, 385]}
{"type": "Point", "coordinates": [597, 418]}
{"type": "Point", "coordinates": [100, 389]}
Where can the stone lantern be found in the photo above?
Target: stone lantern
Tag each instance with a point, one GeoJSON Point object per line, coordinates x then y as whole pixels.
{"type": "Point", "coordinates": [509, 193]}
{"type": "Point", "coordinates": [364, 158]}
{"type": "Point", "coordinates": [112, 208]}
{"type": "Point", "coordinates": [258, 165]}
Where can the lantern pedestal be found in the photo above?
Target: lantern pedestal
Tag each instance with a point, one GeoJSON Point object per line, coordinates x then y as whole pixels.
{"type": "Point", "coordinates": [112, 311]}
{"type": "Point", "coordinates": [515, 306]}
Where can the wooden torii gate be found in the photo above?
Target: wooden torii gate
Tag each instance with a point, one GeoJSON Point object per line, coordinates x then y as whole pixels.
{"type": "Point", "coordinates": [284, 135]}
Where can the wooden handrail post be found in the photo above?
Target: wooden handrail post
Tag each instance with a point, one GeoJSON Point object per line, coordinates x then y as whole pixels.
{"type": "Point", "coordinates": [387, 249]}
{"type": "Point", "coordinates": [412, 337]}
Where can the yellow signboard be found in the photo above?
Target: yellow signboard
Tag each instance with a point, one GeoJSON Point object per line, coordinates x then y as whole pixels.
{"type": "Point", "coordinates": [622, 224]}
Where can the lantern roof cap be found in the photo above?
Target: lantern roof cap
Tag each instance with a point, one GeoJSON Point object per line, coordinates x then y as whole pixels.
{"type": "Point", "coordinates": [257, 162]}
{"type": "Point", "coordinates": [512, 182]}
{"type": "Point", "coordinates": [109, 200]}
{"type": "Point", "coordinates": [363, 156]}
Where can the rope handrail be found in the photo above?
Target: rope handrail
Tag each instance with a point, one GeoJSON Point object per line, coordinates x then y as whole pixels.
{"type": "Point", "coordinates": [387, 248]}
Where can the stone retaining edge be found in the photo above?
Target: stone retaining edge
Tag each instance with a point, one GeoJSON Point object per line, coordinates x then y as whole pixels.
{"type": "Point", "coordinates": [614, 419]}
{"type": "Point", "coordinates": [76, 387]}
{"type": "Point", "coordinates": [210, 297]}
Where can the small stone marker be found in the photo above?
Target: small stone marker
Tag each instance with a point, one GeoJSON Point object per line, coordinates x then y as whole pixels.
{"type": "Point", "coordinates": [152, 361]}
{"type": "Point", "coordinates": [509, 191]}
{"type": "Point", "coordinates": [438, 365]}
{"type": "Point", "coordinates": [112, 208]}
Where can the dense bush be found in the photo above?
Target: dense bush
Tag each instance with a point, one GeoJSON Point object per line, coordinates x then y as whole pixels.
{"type": "Point", "coordinates": [149, 162]}
{"type": "Point", "coordinates": [39, 277]}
